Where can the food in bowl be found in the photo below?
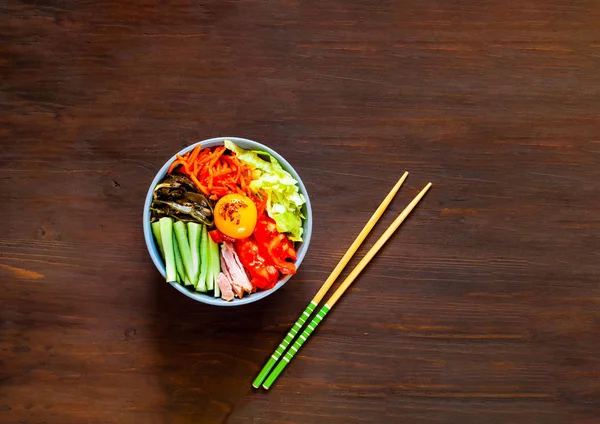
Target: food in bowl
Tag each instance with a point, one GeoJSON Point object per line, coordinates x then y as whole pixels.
{"type": "Point", "coordinates": [226, 221]}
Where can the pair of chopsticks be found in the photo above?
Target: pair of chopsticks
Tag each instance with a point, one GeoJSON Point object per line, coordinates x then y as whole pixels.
{"type": "Point", "coordinates": [260, 379]}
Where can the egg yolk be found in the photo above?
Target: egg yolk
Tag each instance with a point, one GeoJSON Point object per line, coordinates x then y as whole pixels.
{"type": "Point", "coordinates": [235, 216]}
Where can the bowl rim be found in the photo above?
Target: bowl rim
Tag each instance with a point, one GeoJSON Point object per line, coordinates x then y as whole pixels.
{"type": "Point", "coordinates": [151, 245]}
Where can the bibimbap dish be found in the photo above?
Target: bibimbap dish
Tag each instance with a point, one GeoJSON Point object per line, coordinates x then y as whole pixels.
{"type": "Point", "coordinates": [227, 221]}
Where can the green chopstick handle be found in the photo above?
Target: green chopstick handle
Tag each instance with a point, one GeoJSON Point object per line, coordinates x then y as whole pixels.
{"type": "Point", "coordinates": [283, 345]}
{"type": "Point", "coordinates": [296, 346]}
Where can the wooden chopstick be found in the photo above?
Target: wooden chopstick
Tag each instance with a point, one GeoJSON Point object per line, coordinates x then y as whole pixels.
{"type": "Point", "coordinates": [342, 288]}
{"type": "Point", "coordinates": [328, 283]}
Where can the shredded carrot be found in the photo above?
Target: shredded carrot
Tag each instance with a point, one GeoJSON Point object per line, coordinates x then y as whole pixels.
{"type": "Point", "coordinates": [200, 186]}
{"type": "Point", "coordinates": [194, 154]}
{"type": "Point", "coordinates": [210, 179]}
{"type": "Point", "coordinates": [204, 174]}
{"type": "Point", "coordinates": [221, 172]}
{"type": "Point", "coordinates": [185, 164]}
{"type": "Point", "coordinates": [216, 156]}
{"type": "Point", "coordinates": [214, 172]}
{"type": "Point", "coordinates": [174, 165]}
{"type": "Point", "coordinates": [238, 170]}
{"type": "Point", "coordinates": [205, 156]}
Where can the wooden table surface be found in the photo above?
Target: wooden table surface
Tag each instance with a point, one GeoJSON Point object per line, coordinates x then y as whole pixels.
{"type": "Point", "coordinates": [484, 308]}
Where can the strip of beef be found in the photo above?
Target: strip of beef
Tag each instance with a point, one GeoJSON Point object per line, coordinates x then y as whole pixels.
{"type": "Point", "coordinates": [233, 268]}
{"type": "Point", "coordinates": [225, 286]}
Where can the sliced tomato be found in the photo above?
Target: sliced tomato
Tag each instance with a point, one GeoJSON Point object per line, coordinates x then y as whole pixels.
{"type": "Point", "coordinates": [279, 251]}
{"type": "Point", "coordinates": [262, 273]}
{"type": "Point", "coordinates": [275, 245]}
{"type": "Point", "coordinates": [266, 229]}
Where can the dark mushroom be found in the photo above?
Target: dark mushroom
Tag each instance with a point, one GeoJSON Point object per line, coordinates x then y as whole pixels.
{"type": "Point", "coordinates": [177, 197]}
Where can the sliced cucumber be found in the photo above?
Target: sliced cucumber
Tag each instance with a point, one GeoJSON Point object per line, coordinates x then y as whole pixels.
{"type": "Point", "coordinates": [204, 258]}
{"type": "Point", "coordinates": [215, 264]}
{"type": "Point", "coordinates": [156, 231]}
{"type": "Point", "coordinates": [184, 247]}
{"type": "Point", "coordinates": [166, 234]}
{"type": "Point", "coordinates": [194, 236]}
{"type": "Point", "coordinates": [181, 274]}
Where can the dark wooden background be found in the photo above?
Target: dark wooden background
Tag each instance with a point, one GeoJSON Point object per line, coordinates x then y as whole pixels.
{"type": "Point", "coordinates": [484, 308]}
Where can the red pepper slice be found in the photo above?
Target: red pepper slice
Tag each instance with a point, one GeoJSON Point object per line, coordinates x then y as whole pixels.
{"type": "Point", "coordinates": [219, 237]}
{"type": "Point", "coordinates": [260, 201]}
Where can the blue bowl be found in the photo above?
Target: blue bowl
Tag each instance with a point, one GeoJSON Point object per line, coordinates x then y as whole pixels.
{"type": "Point", "coordinates": [301, 248]}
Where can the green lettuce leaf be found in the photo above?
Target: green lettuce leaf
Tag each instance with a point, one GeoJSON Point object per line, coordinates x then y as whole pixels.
{"type": "Point", "coordinates": [284, 202]}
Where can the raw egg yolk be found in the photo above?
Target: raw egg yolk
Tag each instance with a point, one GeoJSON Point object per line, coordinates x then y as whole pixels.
{"type": "Point", "coordinates": [235, 216]}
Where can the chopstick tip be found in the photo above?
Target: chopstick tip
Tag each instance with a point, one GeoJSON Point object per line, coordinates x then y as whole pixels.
{"type": "Point", "coordinates": [400, 181]}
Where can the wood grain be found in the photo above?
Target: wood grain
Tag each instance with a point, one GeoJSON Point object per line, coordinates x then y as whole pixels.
{"type": "Point", "coordinates": [484, 308]}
